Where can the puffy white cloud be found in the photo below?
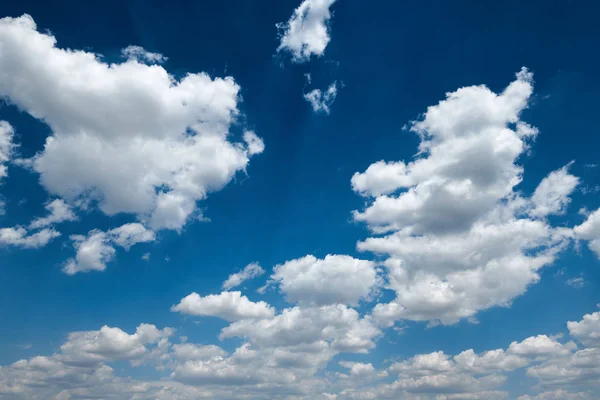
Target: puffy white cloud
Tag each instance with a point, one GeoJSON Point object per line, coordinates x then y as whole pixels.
{"type": "Point", "coordinates": [587, 331]}
{"type": "Point", "coordinates": [59, 212]}
{"type": "Point", "coordinates": [93, 252]}
{"type": "Point", "coordinates": [251, 271]}
{"type": "Point", "coordinates": [338, 325]}
{"type": "Point", "coordinates": [143, 142]}
{"type": "Point", "coordinates": [129, 234]}
{"type": "Point", "coordinates": [140, 54]}
{"type": "Point", "coordinates": [552, 194]}
{"type": "Point", "coordinates": [590, 230]}
{"type": "Point", "coordinates": [97, 249]}
{"type": "Point", "coordinates": [230, 306]}
{"type": "Point", "coordinates": [467, 164]}
{"type": "Point", "coordinates": [458, 237]}
{"type": "Point", "coordinates": [322, 101]}
{"type": "Point", "coordinates": [334, 279]}
{"type": "Point", "coordinates": [108, 343]}
{"type": "Point", "coordinates": [6, 146]}
{"type": "Point", "coordinates": [307, 32]}
{"type": "Point", "coordinates": [190, 351]}
{"type": "Point", "coordinates": [255, 144]}
{"type": "Point", "coordinates": [541, 346]}
{"type": "Point", "coordinates": [19, 237]}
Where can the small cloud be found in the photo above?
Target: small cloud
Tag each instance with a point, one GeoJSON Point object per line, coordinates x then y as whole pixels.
{"type": "Point", "coordinates": [473, 320]}
{"type": "Point", "coordinates": [146, 257]}
{"type": "Point", "coordinates": [139, 54]}
{"type": "Point", "coordinates": [577, 282]}
{"type": "Point", "coordinates": [25, 346]}
{"type": "Point", "coordinates": [322, 101]}
{"type": "Point", "coordinates": [167, 258]}
{"type": "Point", "coordinates": [591, 165]}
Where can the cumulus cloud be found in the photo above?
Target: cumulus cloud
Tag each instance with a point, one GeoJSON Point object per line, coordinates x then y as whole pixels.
{"type": "Point", "coordinates": [7, 147]}
{"type": "Point", "coordinates": [19, 237]}
{"type": "Point", "coordinates": [336, 279]}
{"type": "Point", "coordinates": [307, 31]}
{"type": "Point", "coordinates": [587, 331]}
{"type": "Point", "coordinates": [552, 194]}
{"type": "Point", "coordinates": [143, 141]}
{"type": "Point", "coordinates": [454, 225]}
{"type": "Point", "coordinates": [590, 231]}
{"type": "Point", "coordinates": [322, 101]}
{"type": "Point", "coordinates": [96, 249]}
{"type": "Point", "coordinates": [230, 306]}
{"type": "Point", "coordinates": [251, 271]}
{"type": "Point", "coordinates": [59, 211]}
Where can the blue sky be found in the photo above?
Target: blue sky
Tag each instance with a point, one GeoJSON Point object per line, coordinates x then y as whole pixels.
{"type": "Point", "coordinates": [312, 199]}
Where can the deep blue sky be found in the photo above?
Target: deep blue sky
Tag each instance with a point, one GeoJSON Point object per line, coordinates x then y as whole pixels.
{"type": "Point", "coordinates": [394, 59]}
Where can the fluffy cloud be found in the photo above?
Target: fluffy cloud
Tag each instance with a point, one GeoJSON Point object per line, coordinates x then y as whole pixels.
{"type": "Point", "coordinates": [552, 194]}
{"type": "Point", "coordinates": [6, 147]}
{"type": "Point", "coordinates": [541, 346]}
{"type": "Point", "coordinates": [19, 237]}
{"type": "Point", "coordinates": [90, 347]}
{"type": "Point", "coordinates": [322, 101]}
{"type": "Point", "coordinates": [590, 231]}
{"type": "Point", "coordinates": [96, 249]}
{"type": "Point", "coordinates": [587, 331]}
{"type": "Point", "coordinates": [251, 271]}
{"type": "Point", "coordinates": [59, 212]}
{"type": "Point", "coordinates": [338, 325]}
{"type": "Point", "coordinates": [456, 235]}
{"type": "Point", "coordinates": [336, 279]}
{"type": "Point", "coordinates": [230, 306]}
{"type": "Point", "coordinates": [307, 32]}
{"type": "Point", "coordinates": [143, 141]}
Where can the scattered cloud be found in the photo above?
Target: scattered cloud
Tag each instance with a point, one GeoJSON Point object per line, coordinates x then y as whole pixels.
{"type": "Point", "coordinates": [251, 271]}
{"type": "Point", "coordinates": [306, 33]}
{"type": "Point", "coordinates": [96, 249]}
{"type": "Point", "coordinates": [138, 53]}
{"type": "Point", "coordinates": [143, 142]}
{"type": "Point", "coordinates": [322, 101]}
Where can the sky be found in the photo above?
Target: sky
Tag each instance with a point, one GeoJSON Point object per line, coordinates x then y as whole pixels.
{"type": "Point", "coordinates": [317, 199]}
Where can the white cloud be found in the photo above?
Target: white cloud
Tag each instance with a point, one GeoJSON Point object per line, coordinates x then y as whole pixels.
{"type": "Point", "coordinates": [255, 144]}
{"type": "Point", "coordinates": [138, 53]}
{"type": "Point", "coordinates": [96, 249]}
{"type": "Point", "coordinates": [552, 194]}
{"type": "Point", "coordinates": [7, 147]}
{"type": "Point", "coordinates": [230, 306]}
{"type": "Point", "coordinates": [251, 271]}
{"type": "Point", "coordinates": [108, 343]}
{"type": "Point", "coordinates": [143, 142]}
{"type": "Point", "coordinates": [336, 279]}
{"type": "Point", "coordinates": [340, 326]}
{"type": "Point", "coordinates": [576, 282]}
{"type": "Point", "coordinates": [129, 234]}
{"type": "Point", "coordinates": [190, 351]}
{"type": "Point", "coordinates": [59, 212]}
{"type": "Point", "coordinates": [556, 395]}
{"type": "Point", "coordinates": [322, 101]}
{"type": "Point", "coordinates": [590, 230]}
{"type": "Point", "coordinates": [541, 346]}
{"type": "Point", "coordinates": [587, 331]}
{"type": "Point", "coordinates": [19, 237]}
{"type": "Point", "coordinates": [456, 239]}
{"type": "Point", "coordinates": [307, 32]}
